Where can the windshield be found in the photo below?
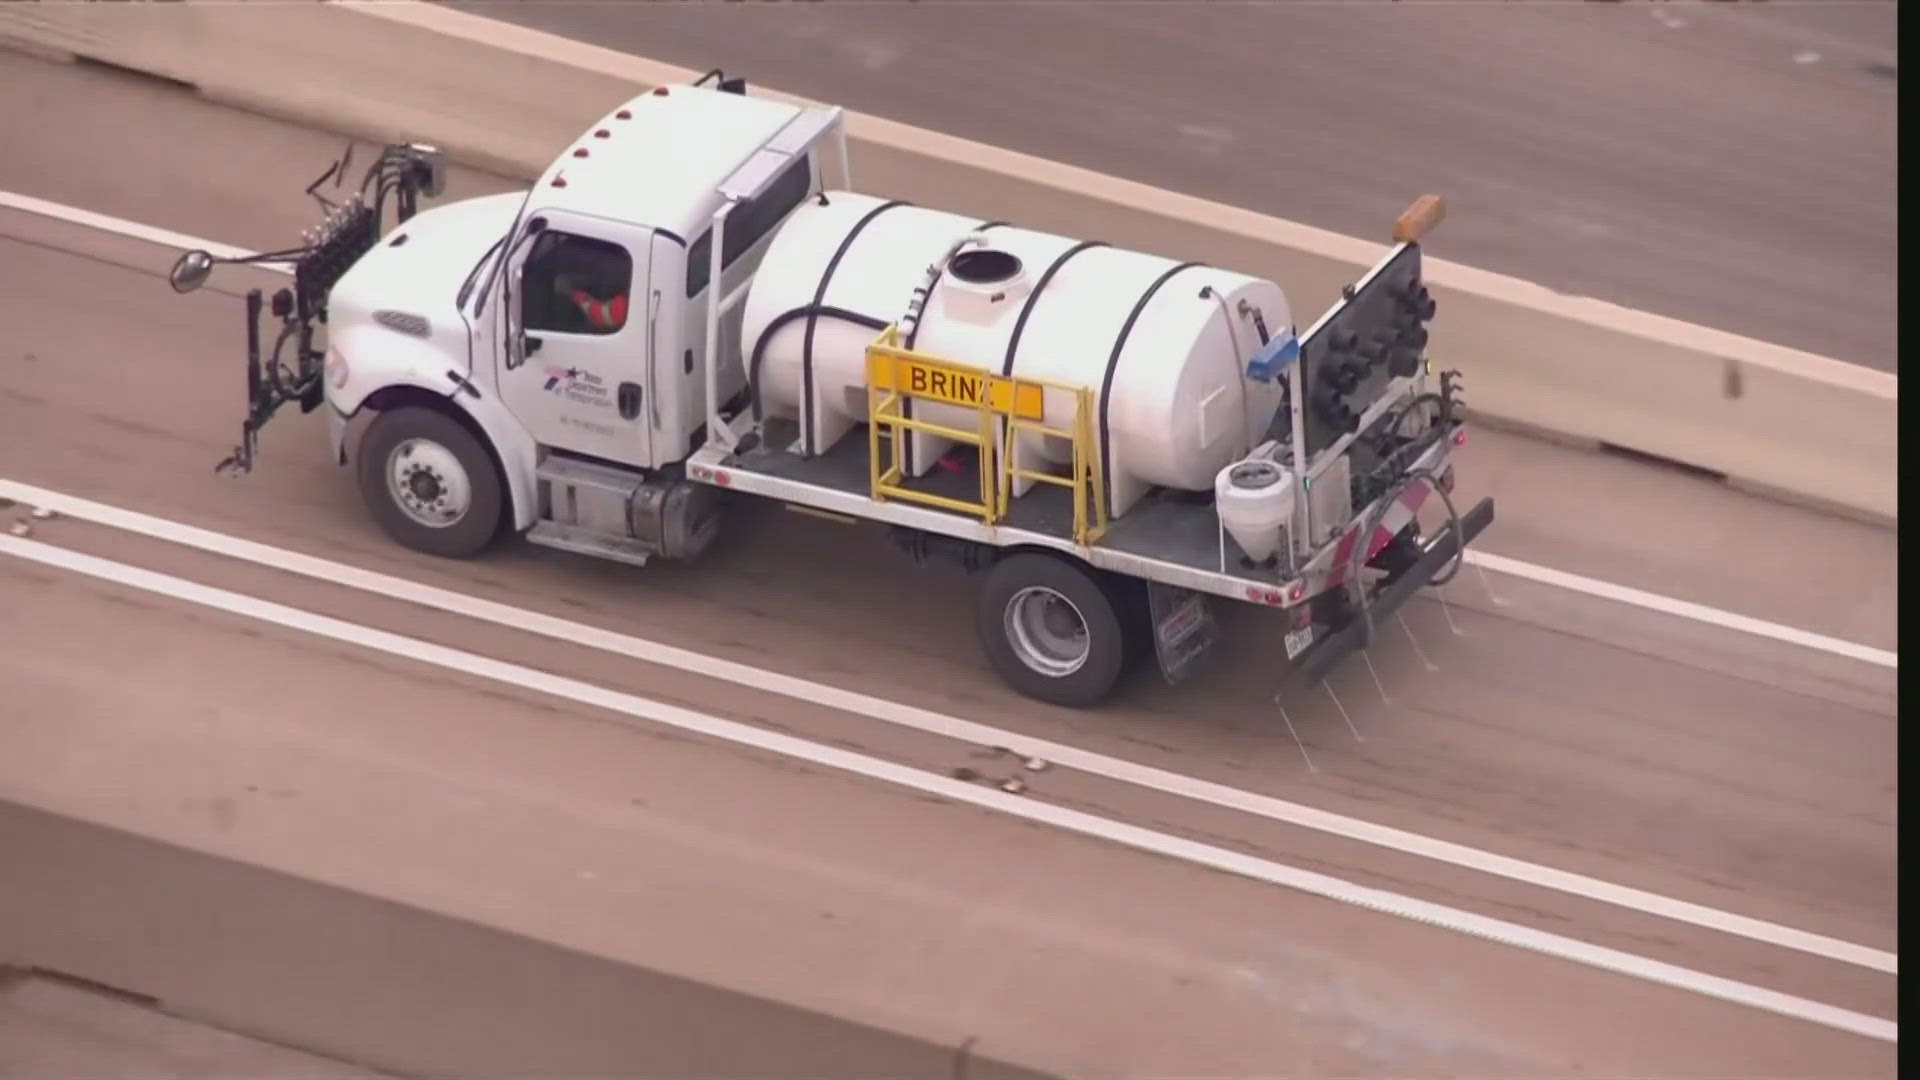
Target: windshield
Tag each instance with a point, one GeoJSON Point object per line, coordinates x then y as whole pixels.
{"type": "Point", "coordinates": [473, 275]}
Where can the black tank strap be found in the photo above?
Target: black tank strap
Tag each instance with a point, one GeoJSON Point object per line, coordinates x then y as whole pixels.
{"type": "Point", "coordinates": [1113, 364]}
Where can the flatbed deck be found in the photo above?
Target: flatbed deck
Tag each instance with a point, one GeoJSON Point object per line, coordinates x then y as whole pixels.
{"type": "Point", "coordinates": [1173, 538]}
{"type": "Point", "coordinates": [1171, 528]}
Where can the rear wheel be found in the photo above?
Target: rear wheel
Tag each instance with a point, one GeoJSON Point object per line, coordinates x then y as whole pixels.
{"type": "Point", "coordinates": [1052, 629]}
{"type": "Point", "coordinates": [429, 483]}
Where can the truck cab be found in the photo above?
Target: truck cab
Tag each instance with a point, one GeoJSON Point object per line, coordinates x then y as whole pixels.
{"type": "Point", "coordinates": [624, 218]}
{"type": "Point", "coordinates": [576, 316]}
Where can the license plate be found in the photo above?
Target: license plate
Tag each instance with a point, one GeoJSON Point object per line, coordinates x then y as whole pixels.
{"type": "Point", "coordinates": [1298, 640]}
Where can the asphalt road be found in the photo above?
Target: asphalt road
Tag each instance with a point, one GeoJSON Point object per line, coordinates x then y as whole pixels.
{"type": "Point", "coordinates": [1690, 760]}
{"type": "Point", "coordinates": [1726, 164]}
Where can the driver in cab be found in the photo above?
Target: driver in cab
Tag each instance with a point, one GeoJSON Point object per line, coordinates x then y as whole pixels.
{"type": "Point", "coordinates": [596, 294]}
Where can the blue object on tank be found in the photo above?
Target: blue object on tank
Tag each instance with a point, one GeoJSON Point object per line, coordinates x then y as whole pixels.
{"type": "Point", "coordinates": [1274, 357]}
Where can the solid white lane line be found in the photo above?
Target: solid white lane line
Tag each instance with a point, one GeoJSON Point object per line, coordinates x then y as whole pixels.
{"type": "Point", "coordinates": [151, 234]}
{"type": "Point", "coordinates": [1499, 564]}
{"type": "Point", "coordinates": [600, 697]}
{"type": "Point", "coordinates": [1685, 609]}
{"type": "Point", "coordinates": [926, 720]}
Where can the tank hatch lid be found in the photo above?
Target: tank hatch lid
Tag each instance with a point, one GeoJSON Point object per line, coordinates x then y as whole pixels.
{"type": "Point", "coordinates": [768, 162]}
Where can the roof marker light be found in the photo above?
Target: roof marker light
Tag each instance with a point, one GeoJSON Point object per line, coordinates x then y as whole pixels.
{"type": "Point", "coordinates": [601, 134]}
{"type": "Point", "coordinates": [623, 114]}
{"type": "Point", "coordinates": [659, 91]}
{"type": "Point", "coordinates": [582, 152]}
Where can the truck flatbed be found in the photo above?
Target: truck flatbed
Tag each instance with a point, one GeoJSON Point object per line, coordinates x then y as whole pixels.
{"type": "Point", "coordinates": [1180, 534]}
{"type": "Point", "coordinates": [1170, 537]}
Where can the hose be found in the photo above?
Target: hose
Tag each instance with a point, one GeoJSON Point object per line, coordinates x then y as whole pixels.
{"type": "Point", "coordinates": [782, 319]}
{"type": "Point", "coordinates": [1208, 292]}
{"type": "Point", "coordinates": [1372, 522]}
{"type": "Point", "coordinates": [916, 306]}
{"type": "Point", "coordinates": [1389, 462]}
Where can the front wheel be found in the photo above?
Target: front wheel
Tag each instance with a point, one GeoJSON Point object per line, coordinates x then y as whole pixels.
{"type": "Point", "coordinates": [1051, 630]}
{"type": "Point", "coordinates": [429, 483]}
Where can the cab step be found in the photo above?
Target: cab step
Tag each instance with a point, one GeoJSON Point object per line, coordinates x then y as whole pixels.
{"type": "Point", "coordinates": [588, 508]}
{"type": "Point", "coordinates": [588, 542]}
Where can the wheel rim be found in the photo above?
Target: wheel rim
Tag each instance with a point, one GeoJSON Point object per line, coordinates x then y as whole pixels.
{"type": "Point", "coordinates": [1047, 632]}
{"type": "Point", "coordinates": [428, 483]}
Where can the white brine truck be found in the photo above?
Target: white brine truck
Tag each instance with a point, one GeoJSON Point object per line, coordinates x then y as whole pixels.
{"type": "Point", "coordinates": [683, 311]}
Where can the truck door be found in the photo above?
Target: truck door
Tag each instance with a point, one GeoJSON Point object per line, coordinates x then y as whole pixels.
{"type": "Point", "coordinates": [678, 395]}
{"type": "Point", "coordinates": [575, 366]}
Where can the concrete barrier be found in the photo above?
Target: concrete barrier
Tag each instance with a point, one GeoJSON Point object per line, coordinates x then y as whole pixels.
{"type": "Point", "coordinates": [504, 98]}
{"type": "Point", "coordinates": [392, 987]}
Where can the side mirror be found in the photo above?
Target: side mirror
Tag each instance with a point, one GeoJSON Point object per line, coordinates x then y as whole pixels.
{"type": "Point", "coordinates": [516, 339]}
{"type": "Point", "coordinates": [190, 271]}
{"type": "Point", "coordinates": [430, 169]}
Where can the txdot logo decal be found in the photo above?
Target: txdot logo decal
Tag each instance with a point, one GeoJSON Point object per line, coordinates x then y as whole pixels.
{"type": "Point", "coordinates": [576, 385]}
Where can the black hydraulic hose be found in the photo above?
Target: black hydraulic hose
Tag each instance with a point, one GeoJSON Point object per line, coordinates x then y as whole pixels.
{"type": "Point", "coordinates": [925, 292]}
{"type": "Point", "coordinates": [280, 376]}
{"type": "Point", "coordinates": [1446, 412]}
{"type": "Point", "coordinates": [782, 319]}
{"type": "Point", "coordinates": [1365, 541]}
{"type": "Point", "coordinates": [1390, 461]}
{"type": "Point", "coordinates": [1453, 520]}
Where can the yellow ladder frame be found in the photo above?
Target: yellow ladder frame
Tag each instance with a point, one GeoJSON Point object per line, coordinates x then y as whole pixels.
{"type": "Point", "coordinates": [1010, 404]}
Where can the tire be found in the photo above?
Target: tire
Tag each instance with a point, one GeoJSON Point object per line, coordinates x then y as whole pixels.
{"type": "Point", "coordinates": [1030, 638]}
{"type": "Point", "coordinates": [448, 464]}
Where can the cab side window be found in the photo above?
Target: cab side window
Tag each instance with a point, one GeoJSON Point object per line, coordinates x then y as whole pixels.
{"type": "Point", "coordinates": [750, 222]}
{"type": "Point", "coordinates": [576, 285]}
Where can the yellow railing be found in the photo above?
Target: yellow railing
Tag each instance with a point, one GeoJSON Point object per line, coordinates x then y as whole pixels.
{"type": "Point", "coordinates": [1005, 406]}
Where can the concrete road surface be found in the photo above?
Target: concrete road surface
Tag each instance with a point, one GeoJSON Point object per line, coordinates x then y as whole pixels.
{"type": "Point", "coordinates": [1720, 768]}
{"type": "Point", "coordinates": [1726, 164]}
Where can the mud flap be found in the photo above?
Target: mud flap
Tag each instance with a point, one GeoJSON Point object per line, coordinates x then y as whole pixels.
{"type": "Point", "coordinates": [1321, 656]}
{"type": "Point", "coordinates": [1184, 629]}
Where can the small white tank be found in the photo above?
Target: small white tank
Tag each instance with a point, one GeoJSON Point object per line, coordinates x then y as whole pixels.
{"type": "Point", "coordinates": [1255, 500]}
{"type": "Point", "coordinates": [1177, 405]}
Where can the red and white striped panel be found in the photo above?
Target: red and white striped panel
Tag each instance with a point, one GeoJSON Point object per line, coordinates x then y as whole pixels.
{"type": "Point", "coordinates": [1395, 519]}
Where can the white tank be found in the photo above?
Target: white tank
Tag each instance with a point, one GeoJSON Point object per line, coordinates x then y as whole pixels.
{"type": "Point", "coordinates": [1177, 404]}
